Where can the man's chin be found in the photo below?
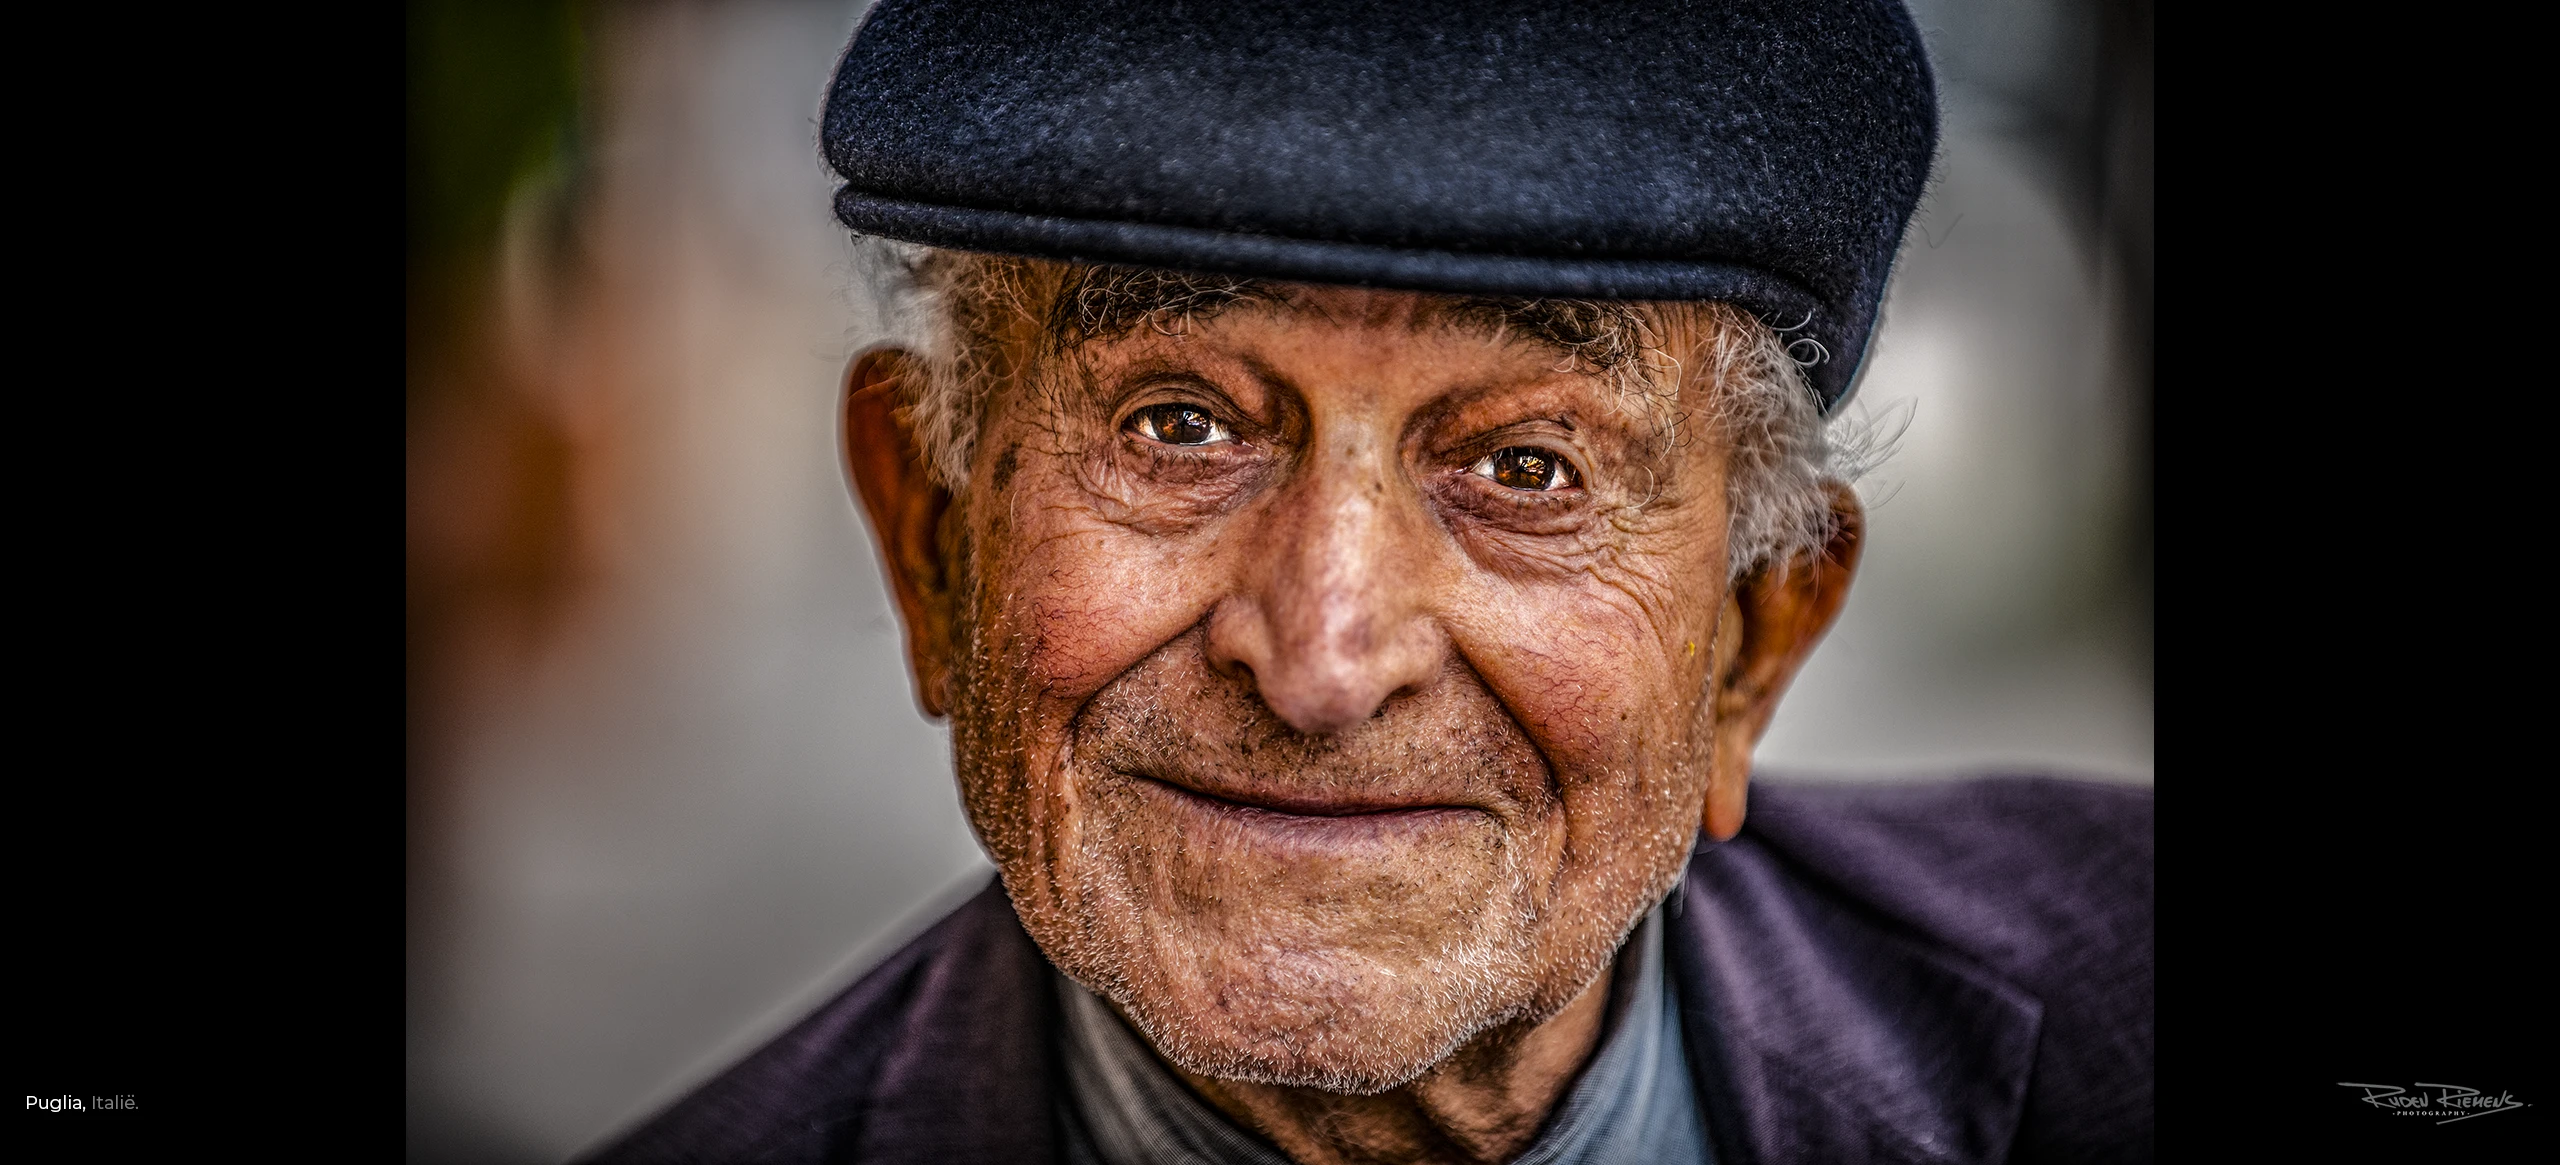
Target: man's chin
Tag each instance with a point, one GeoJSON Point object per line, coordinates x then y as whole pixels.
{"type": "Point", "coordinates": [1245, 988]}
{"type": "Point", "coordinates": [1341, 1023]}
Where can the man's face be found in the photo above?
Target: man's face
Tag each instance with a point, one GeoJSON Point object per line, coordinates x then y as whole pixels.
{"type": "Point", "coordinates": [1333, 678]}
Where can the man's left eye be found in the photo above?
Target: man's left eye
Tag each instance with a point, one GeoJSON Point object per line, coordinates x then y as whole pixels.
{"type": "Point", "coordinates": [1179, 425]}
{"type": "Point", "coordinates": [1526, 467]}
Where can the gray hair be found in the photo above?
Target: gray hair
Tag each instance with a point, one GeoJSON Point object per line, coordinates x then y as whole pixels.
{"type": "Point", "coordinates": [954, 309]}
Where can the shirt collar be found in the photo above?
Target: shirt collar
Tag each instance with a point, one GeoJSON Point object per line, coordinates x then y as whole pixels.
{"type": "Point", "coordinates": [1633, 1102]}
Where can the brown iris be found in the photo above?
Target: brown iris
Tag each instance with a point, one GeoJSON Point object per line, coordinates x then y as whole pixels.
{"type": "Point", "coordinates": [1526, 467]}
{"type": "Point", "coordinates": [1179, 424]}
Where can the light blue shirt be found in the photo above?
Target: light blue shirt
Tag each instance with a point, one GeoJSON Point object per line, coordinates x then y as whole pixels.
{"type": "Point", "coordinates": [1633, 1102]}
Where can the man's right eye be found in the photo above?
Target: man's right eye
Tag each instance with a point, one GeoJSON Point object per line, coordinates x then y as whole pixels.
{"type": "Point", "coordinates": [1179, 425]}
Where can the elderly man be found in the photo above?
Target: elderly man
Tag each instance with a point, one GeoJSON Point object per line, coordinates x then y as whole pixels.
{"type": "Point", "coordinates": [1359, 494]}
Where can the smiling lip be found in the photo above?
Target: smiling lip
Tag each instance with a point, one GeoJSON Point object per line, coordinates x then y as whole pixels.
{"type": "Point", "coordinates": [1286, 804]}
{"type": "Point", "coordinates": [1263, 826]}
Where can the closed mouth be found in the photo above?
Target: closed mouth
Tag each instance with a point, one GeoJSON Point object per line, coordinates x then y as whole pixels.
{"type": "Point", "coordinates": [1304, 806]}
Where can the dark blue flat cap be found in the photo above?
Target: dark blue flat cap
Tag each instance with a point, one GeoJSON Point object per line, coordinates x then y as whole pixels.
{"type": "Point", "coordinates": [1764, 152]}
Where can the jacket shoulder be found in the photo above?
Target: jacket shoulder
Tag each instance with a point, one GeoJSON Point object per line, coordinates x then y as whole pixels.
{"type": "Point", "coordinates": [2018, 872]}
{"type": "Point", "coordinates": [958, 1020]}
{"type": "Point", "coordinates": [2047, 883]}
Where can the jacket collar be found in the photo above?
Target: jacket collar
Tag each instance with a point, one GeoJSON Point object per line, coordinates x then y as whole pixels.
{"type": "Point", "coordinates": [971, 1074]}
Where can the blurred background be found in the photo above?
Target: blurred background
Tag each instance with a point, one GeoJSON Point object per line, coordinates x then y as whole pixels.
{"type": "Point", "coordinates": [667, 787]}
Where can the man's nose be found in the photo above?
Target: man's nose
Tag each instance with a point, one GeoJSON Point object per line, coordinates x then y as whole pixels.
{"type": "Point", "coordinates": [1331, 617]}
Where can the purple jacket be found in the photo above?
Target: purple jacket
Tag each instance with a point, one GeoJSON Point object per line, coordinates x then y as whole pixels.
{"type": "Point", "coordinates": [1918, 973]}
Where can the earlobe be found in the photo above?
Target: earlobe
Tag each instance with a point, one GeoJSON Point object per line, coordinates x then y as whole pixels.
{"type": "Point", "coordinates": [1774, 618]}
{"type": "Point", "coordinates": [906, 508]}
{"type": "Point", "coordinates": [1729, 762]}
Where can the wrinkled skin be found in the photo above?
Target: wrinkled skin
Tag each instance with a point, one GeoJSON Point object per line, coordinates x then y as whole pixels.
{"type": "Point", "coordinates": [1340, 766]}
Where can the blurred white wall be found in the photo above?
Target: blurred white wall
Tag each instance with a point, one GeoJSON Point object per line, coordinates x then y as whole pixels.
{"type": "Point", "coordinates": [703, 799]}
{"type": "Point", "coordinates": [1987, 627]}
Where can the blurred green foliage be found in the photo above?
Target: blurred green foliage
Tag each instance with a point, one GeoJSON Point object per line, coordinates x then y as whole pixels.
{"type": "Point", "coordinates": [493, 99]}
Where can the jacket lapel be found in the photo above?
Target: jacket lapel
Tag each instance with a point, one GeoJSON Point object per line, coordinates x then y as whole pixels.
{"type": "Point", "coordinates": [1820, 1032]}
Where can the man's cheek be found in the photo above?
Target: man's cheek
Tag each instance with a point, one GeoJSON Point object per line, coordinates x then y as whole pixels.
{"type": "Point", "coordinates": [1094, 601]}
{"type": "Point", "coordinates": [1583, 668]}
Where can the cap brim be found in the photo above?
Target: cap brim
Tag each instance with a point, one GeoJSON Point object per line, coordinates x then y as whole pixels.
{"type": "Point", "coordinates": [1187, 248]}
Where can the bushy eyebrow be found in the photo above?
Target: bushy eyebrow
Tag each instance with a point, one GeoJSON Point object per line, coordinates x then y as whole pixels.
{"type": "Point", "coordinates": [1598, 336]}
{"type": "Point", "coordinates": [1103, 303]}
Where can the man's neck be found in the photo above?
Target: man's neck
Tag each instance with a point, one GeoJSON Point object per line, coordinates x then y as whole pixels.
{"type": "Point", "coordinates": [1484, 1104]}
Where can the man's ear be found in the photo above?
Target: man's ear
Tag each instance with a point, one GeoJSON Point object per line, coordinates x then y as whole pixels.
{"type": "Point", "coordinates": [1770, 623]}
{"type": "Point", "coordinates": [906, 508]}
